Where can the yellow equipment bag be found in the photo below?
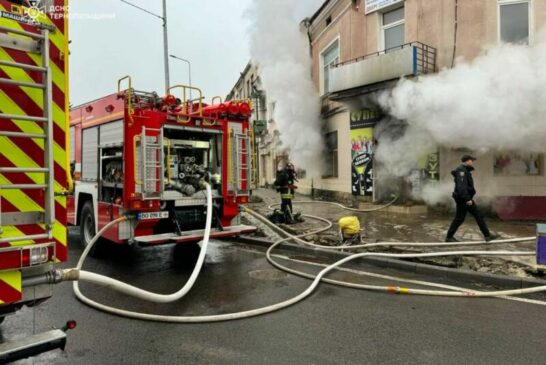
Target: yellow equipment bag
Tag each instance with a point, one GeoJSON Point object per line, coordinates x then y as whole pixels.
{"type": "Point", "coordinates": [349, 226]}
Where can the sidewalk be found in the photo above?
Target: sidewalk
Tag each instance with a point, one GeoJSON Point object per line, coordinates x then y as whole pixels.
{"type": "Point", "coordinates": [431, 227]}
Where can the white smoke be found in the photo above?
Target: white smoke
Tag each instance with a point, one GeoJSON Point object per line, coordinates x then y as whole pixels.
{"type": "Point", "coordinates": [399, 155]}
{"type": "Point", "coordinates": [495, 103]}
{"type": "Point", "coordinates": [436, 192]}
{"type": "Point", "coordinates": [281, 50]}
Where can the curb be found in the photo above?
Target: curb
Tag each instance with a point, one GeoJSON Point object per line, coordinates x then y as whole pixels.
{"type": "Point", "coordinates": [414, 267]}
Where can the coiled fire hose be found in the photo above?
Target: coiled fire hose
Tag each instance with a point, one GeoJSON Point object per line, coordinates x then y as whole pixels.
{"type": "Point", "coordinates": [370, 245]}
{"type": "Point", "coordinates": [375, 209]}
{"type": "Point", "coordinates": [394, 289]}
{"type": "Point", "coordinates": [79, 274]}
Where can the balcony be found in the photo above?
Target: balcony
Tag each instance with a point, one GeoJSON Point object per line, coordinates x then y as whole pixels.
{"type": "Point", "coordinates": [371, 72]}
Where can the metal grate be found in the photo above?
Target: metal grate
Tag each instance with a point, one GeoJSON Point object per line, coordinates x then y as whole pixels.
{"type": "Point", "coordinates": [425, 57]}
{"type": "Point", "coordinates": [151, 164]}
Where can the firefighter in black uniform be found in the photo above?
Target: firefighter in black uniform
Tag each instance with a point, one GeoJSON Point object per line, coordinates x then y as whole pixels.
{"type": "Point", "coordinates": [464, 198]}
{"type": "Point", "coordinates": [285, 183]}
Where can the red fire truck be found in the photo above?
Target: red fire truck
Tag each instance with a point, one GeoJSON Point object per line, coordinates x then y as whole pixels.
{"type": "Point", "coordinates": [34, 172]}
{"type": "Point", "coordinates": [147, 156]}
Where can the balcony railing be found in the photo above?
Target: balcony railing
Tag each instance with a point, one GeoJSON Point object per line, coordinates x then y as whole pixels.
{"type": "Point", "coordinates": [411, 59]}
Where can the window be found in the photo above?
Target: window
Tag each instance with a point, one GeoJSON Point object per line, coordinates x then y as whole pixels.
{"type": "Point", "coordinates": [271, 111]}
{"type": "Point", "coordinates": [518, 164]}
{"type": "Point", "coordinates": [330, 57]}
{"type": "Point", "coordinates": [393, 25]}
{"type": "Point", "coordinates": [331, 162]}
{"type": "Point", "coordinates": [514, 22]}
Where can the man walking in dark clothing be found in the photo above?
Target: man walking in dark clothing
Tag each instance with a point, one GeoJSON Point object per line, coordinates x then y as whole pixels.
{"type": "Point", "coordinates": [464, 198]}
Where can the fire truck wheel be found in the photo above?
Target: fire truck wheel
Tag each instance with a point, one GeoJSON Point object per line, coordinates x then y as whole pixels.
{"type": "Point", "coordinates": [87, 226]}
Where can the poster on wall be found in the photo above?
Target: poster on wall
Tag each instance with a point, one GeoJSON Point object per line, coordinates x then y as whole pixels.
{"type": "Point", "coordinates": [427, 171]}
{"type": "Point", "coordinates": [362, 150]}
{"type": "Point", "coordinates": [375, 5]}
{"type": "Point", "coordinates": [518, 164]}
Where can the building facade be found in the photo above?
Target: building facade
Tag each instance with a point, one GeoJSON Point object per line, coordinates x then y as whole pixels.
{"type": "Point", "coordinates": [362, 47]}
{"type": "Point", "coordinates": [268, 154]}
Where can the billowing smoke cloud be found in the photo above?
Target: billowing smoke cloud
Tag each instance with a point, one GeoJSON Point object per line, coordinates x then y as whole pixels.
{"type": "Point", "coordinates": [401, 146]}
{"type": "Point", "coordinates": [281, 50]}
{"type": "Point", "coordinates": [496, 102]}
{"type": "Point", "coordinates": [436, 193]}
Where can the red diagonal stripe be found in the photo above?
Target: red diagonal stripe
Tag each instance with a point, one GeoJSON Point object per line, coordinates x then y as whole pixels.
{"type": "Point", "coordinates": [60, 214]}
{"type": "Point", "coordinates": [33, 151]}
{"type": "Point", "coordinates": [19, 178]}
{"type": "Point", "coordinates": [59, 23]}
{"type": "Point", "coordinates": [8, 294]}
{"type": "Point", "coordinates": [7, 207]}
{"type": "Point", "coordinates": [23, 57]}
{"type": "Point", "coordinates": [27, 228]}
{"type": "Point", "coordinates": [54, 52]}
{"type": "Point", "coordinates": [30, 107]}
{"type": "Point", "coordinates": [36, 195]}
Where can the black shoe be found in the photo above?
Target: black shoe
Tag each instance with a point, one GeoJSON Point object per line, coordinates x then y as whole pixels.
{"type": "Point", "coordinates": [491, 237]}
{"type": "Point", "coordinates": [452, 239]}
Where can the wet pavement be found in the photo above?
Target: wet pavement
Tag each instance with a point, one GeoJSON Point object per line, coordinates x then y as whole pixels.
{"type": "Point", "coordinates": [430, 227]}
{"type": "Point", "coordinates": [335, 325]}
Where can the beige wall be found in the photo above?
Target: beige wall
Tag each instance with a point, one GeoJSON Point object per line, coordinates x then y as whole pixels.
{"type": "Point", "coordinates": [339, 123]}
{"type": "Point", "coordinates": [431, 22]}
{"type": "Point", "coordinates": [487, 183]}
{"type": "Point", "coordinates": [267, 169]}
{"type": "Point", "coordinates": [539, 16]}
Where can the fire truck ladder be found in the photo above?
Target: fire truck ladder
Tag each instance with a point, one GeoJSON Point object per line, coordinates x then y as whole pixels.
{"type": "Point", "coordinates": [151, 163]}
{"type": "Point", "coordinates": [35, 43]}
{"type": "Point", "coordinates": [254, 159]}
{"type": "Point", "coordinates": [242, 163]}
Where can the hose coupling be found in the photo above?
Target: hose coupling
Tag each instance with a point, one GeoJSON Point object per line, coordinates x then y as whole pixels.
{"type": "Point", "coordinates": [70, 274]}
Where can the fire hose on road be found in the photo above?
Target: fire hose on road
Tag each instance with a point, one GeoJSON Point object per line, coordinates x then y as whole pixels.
{"type": "Point", "coordinates": [77, 274]}
{"type": "Point", "coordinates": [392, 289]}
{"type": "Point", "coordinates": [375, 209]}
{"type": "Point", "coordinates": [376, 244]}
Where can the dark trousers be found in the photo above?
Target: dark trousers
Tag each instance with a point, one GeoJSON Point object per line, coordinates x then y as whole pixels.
{"type": "Point", "coordinates": [460, 216]}
{"type": "Point", "coordinates": [286, 204]}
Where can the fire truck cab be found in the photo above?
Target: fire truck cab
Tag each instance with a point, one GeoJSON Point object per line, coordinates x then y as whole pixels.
{"type": "Point", "coordinates": [147, 156]}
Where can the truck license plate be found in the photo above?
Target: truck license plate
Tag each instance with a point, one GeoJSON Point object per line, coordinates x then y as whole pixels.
{"type": "Point", "coordinates": [152, 215]}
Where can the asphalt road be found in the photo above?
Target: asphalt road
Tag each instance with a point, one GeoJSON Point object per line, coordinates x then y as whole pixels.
{"type": "Point", "coordinates": [333, 326]}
